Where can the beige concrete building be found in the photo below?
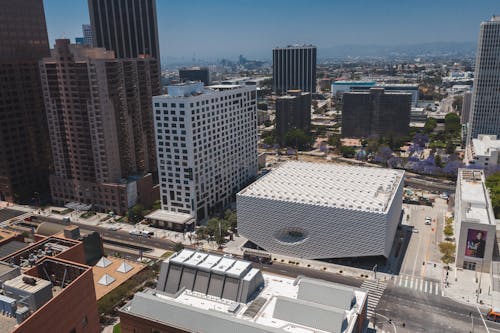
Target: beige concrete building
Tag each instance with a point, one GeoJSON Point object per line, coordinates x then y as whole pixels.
{"type": "Point", "coordinates": [100, 119]}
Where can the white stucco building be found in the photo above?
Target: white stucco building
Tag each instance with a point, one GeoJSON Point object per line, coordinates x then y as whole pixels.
{"type": "Point", "coordinates": [206, 141]}
{"type": "Point", "coordinates": [484, 151]}
{"type": "Point", "coordinates": [475, 224]}
{"type": "Point", "coordinates": [322, 210]}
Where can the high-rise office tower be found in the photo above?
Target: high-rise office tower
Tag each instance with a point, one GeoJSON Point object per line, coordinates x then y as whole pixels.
{"type": "Point", "coordinates": [24, 148]}
{"type": "Point", "coordinates": [207, 145]}
{"type": "Point", "coordinates": [201, 74]}
{"type": "Point", "coordinates": [294, 67]}
{"type": "Point", "coordinates": [485, 111]}
{"type": "Point", "coordinates": [100, 117]}
{"type": "Point", "coordinates": [88, 36]}
{"type": "Point", "coordinates": [128, 27]}
{"type": "Point", "coordinates": [376, 113]}
{"type": "Point", "coordinates": [293, 111]}
{"type": "Point", "coordinates": [466, 106]}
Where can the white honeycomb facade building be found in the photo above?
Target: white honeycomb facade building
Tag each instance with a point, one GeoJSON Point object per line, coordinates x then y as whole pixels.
{"type": "Point", "coordinates": [322, 210]}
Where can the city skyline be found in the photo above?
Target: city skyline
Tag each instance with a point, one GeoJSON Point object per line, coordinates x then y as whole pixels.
{"type": "Point", "coordinates": [195, 30]}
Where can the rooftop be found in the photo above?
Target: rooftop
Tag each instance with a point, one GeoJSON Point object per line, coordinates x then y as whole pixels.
{"type": "Point", "coordinates": [190, 89]}
{"type": "Point", "coordinates": [330, 185]}
{"type": "Point", "coordinates": [167, 216]}
{"type": "Point", "coordinates": [484, 145]}
{"type": "Point", "coordinates": [118, 269]}
{"type": "Point", "coordinates": [476, 205]}
{"type": "Point", "coordinates": [299, 305]}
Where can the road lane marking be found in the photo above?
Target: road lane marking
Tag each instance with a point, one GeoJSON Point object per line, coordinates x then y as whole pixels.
{"type": "Point", "coordinates": [437, 288]}
{"type": "Point", "coordinates": [411, 282]}
{"type": "Point", "coordinates": [406, 281]}
{"type": "Point", "coordinates": [425, 289]}
{"type": "Point", "coordinates": [400, 281]}
{"type": "Point", "coordinates": [421, 285]}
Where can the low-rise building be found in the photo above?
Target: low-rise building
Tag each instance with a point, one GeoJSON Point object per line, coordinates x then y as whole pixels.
{"type": "Point", "coordinates": [206, 293]}
{"type": "Point", "coordinates": [475, 224]}
{"type": "Point", "coordinates": [484, 151]}
{"type": "Point", "coordinates": [322, 210]}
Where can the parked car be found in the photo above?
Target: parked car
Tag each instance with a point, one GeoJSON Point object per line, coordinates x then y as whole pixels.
{"type": "Point", "coordinates": [494, 315]}
{"type": "Point", "coordinates": [428, 221]}
{"type": "Point", "coordinates": [146, 233]}
{"type": "Point", "coordinates": [415, 230]}
{"type": "Point", "coordinates": [135, 232]}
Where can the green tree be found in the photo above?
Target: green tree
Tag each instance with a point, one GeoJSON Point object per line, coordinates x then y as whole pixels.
{"type": "Point", "coordinates": [448, 230]}
{"type": "Point", "coordinates": [438, 161]}
{"type": "Point", "coordinates": [334, 140]}
{"type": "Point", "coordinates": [448, 251]}
{"type": "Point", "coordinates": [450, 147]}
{"type": "Point", "coordinates": [231, 217]}
{"type": "Point", "coordinates": [457, 102]}
{"type": "Point", "coordinates": [178, 247]}
{"type": "Point", "coordinates": [493, 184]}
{"type": "Point", "coordinates": [297, 138]}
{"type": "Point", "coordinates": [218, 229]}
{"type": "Point", "coordinates": [452, 123]}
{"type": "Point", "coordinates": [347, 151]}
{"type": "Point", "coordinates": [135, 213]}
{"type": "Point", "coordinates": [430, 125]}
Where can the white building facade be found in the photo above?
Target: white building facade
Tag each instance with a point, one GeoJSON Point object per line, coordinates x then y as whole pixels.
{"type": "Point", "coordinates": [206, 141]}
{"type": "Point", "coordinates": [484, 151]}
{"type": "Point", "coordinates": [322, 210]}
{"type": "Point", "coordinates": [485, 118]}
{"type": "Point", "coordinates": [475, 224]}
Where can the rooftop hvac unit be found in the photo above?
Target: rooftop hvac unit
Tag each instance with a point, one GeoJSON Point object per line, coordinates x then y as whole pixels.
{"type": "Point", "coordinates": [29, 280]}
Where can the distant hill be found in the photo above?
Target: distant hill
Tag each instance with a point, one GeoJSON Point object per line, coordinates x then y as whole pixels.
{"type": "Point", "coordinates": [408, 50]}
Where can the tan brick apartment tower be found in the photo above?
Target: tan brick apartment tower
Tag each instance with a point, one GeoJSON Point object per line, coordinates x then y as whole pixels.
{"type": "Point", "coordinates": [100, 119]}
{"type": "Point", "coordinates": [24, 144]}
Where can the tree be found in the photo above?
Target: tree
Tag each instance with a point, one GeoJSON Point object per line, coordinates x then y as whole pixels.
{"type": "Point", "coordinates": [297, 138]}
{"type": "Point", "coordinates": [178, 247]}
{"type": "Point", "coordinates": [430, 125]}
{"type": "Point", "coordinates": [438, 161]}
{"type": "Point", "coordinates": [493, 184]}
{"type": "Point", "coordinates": [334, 140]}
{"type": "Point", "coordinates": [231, 218]}
{"type": "Point", "coordinates": [347, 151]}
{"type": "Point", "coordinates": [450, 147]}
{"type": "Point", "coordinates": [218, 229]}
{"type": "Point", "coordinates": [448, 230]}
{"type": "Point", "coordinates": [457, 102]}
{"type": "Point", "coordinates": [452, 123]}
{"type": "Point", "coordinates": [135, 213]}
{"type": "Point", "coordinates": [448, 251]}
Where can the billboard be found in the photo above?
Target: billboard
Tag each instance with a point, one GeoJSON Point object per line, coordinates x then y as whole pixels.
{"type": "Point", "coordinates": [476, 242]}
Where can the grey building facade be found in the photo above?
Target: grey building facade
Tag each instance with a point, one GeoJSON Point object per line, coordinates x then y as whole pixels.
{"type": "Point", "coordinates": [485, 115]}
{"type": "Point", "coordinates": [376, 113]}
{"type": "Point", "coordinates": [293, 111]}
{"type": "Point", "coordinates": [294, 67]}
{"type": "Point", "coordinates": [127, 27]}
{"type": "Point", "coordinates": [201, 74]}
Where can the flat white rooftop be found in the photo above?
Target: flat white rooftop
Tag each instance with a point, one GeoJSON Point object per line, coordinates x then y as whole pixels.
{"type": "Point", "coordinates": [173, 217]}
{"type": "Point", "coordinates": [485, 144]}
{"type": "Point", "coordinates": [474, 201]}
{"type": "Point", "coordinates": [330, 185]}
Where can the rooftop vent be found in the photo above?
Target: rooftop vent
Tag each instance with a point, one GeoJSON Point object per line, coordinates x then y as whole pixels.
{"type": "Point", "coordinates": [29, 280]}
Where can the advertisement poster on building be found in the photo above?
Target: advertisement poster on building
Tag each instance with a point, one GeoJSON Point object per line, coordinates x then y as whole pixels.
{"type": "Point", "coordinates": [476, 242]}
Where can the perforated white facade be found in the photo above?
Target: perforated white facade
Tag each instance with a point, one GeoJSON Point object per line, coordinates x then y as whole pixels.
{"type": "Point", "coordinates": [322, 210]}
{"type": "Point", "coordinates": [206, 141]}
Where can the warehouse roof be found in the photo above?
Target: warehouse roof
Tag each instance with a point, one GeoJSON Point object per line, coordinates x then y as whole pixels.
{"type": "Point", "coordinates": [329, 185]}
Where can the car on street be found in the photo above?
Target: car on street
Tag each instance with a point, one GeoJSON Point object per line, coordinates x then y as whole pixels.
{"type": "Point", "coordinates": [135, 232]}
{"type": "Point", "coordinates": [114, 228]}
{"type": "Point", "coordinates": [494, 315]}
{"type": "Point", "coordinates": [428, 221]}
{"type": "Point", "coordinates": [415, 230]}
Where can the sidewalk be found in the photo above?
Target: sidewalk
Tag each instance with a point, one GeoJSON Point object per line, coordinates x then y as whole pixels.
{"type": "Point", "coordinates": [236, 248]}
{"type": "Point", "coordinates": [464, 284]}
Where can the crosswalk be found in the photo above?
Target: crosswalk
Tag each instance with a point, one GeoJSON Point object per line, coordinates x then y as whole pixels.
{"type": "Point", "coordinates": [419, 284]}
{"type": "Point", "coordinates": [375, 291]}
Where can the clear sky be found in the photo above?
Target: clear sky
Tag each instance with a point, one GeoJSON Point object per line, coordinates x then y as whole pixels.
{"type": "Point", "coordinates": [226, 28]}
